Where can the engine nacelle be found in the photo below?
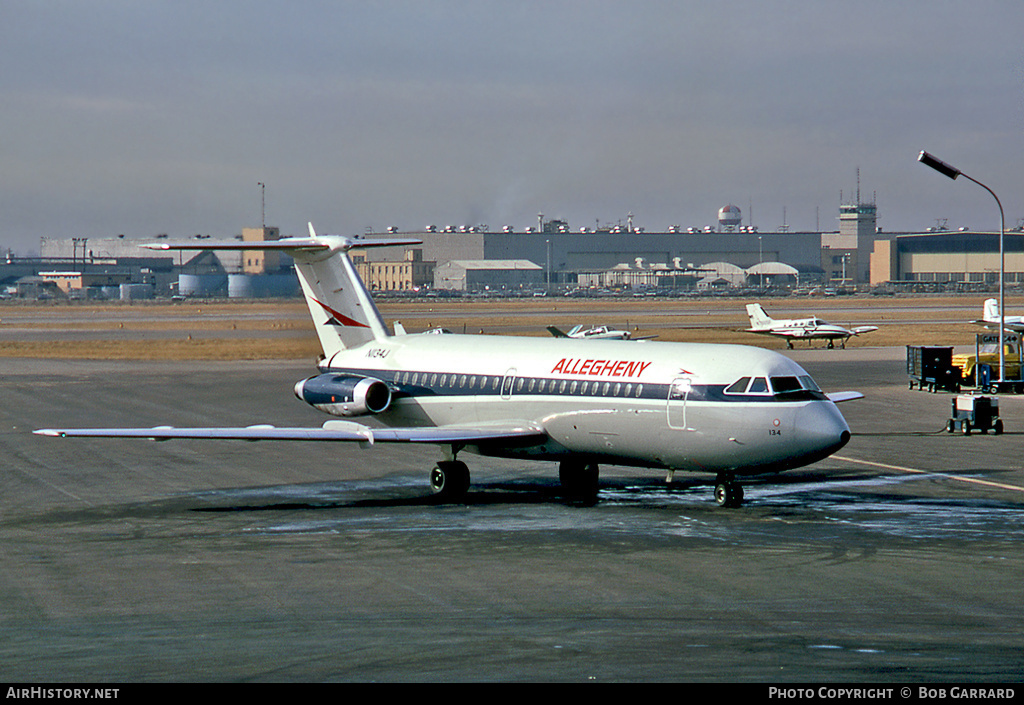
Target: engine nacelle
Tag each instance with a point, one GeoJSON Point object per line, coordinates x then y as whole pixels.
{"type": "Point", "coordinates": [344, 395]}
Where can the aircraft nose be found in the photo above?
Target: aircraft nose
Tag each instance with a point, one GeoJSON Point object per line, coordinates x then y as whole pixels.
{"type": "Point", "coordinates": [822, 428]}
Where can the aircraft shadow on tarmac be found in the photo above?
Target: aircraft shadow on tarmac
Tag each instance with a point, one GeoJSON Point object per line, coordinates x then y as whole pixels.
{"type": "Point", "coordinates": [513, 493]}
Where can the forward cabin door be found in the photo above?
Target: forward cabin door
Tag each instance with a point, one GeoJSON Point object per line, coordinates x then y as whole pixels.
{"type": "Point", "coordinates": [507, 382]}
{"type": "Point", "coordinates": [678, 393]}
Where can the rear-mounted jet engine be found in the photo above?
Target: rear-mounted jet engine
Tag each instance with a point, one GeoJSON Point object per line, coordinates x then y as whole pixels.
{"type": "Point", "coordinates": [344, 395]}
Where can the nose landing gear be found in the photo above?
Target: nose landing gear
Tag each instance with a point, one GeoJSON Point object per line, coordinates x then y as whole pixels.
{"type": "Point", "coordinates": [728, 492]}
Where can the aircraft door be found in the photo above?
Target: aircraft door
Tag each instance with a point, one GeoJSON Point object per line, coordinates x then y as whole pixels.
{"type": "Point", "coordinates": [507, 382]}
{"type": "Point", "coordinates": [678, 393]}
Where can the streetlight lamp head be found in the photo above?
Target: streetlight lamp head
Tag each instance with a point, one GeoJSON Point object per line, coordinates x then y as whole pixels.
{"type": "Point", "coordinates": [938, 165]}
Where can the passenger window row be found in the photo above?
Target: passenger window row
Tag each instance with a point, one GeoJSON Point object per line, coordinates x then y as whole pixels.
{"type": "Point", "coordinates": [521, 385]}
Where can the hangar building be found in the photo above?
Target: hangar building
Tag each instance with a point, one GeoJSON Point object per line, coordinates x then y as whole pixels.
{"type": "Point", "coordinates": [961, 256]}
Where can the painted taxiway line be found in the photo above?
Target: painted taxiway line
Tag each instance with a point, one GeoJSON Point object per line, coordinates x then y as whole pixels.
{"type": "Point", "coordinates": [901, 468]}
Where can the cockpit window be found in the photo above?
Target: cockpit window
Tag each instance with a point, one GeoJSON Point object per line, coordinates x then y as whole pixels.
{"type": "Point", "coordinates": [739, 386]}
{"type": "Point", "coordinates": [794, 387]}
{"type": "Point", "coordinates": [808, 383]}
{"type": "Point", "coordinates": [781, 385]}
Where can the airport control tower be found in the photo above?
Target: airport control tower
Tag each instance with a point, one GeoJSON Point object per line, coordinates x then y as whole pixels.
{"type": "Point", "coordinates": [847, 255]}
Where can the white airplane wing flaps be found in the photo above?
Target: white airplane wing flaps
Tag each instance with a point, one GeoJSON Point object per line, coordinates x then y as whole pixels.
{"type": "Point", "coordinates": [339, 431]}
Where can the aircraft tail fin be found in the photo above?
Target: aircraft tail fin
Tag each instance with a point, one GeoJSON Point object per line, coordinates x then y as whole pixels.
{"type": "Point", "coordinates": [991, 311]}
{"type": "Point", "coordinates": [758, 317]}
{"type": "Point", "coordinates": [342, 309]}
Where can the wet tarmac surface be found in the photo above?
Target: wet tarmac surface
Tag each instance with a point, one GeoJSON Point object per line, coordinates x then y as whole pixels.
{"type": "Point", "coordinates": [897, 560]}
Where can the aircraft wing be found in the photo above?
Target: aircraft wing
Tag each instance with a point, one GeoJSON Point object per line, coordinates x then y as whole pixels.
{"type": "Point", "coordinates": [557, 332]}
{"type": "Point", "coordinates": [1012, 326]}
{"type": "Point", "coordinates": [863, 329]}
{"type": "Point", "coordinates": [339, 431]}
{"type": "Point", "coordinates": [787, 332]}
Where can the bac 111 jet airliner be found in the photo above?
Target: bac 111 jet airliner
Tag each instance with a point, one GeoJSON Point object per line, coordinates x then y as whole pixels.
{"type": "Point", "coordinates": [728, 410]}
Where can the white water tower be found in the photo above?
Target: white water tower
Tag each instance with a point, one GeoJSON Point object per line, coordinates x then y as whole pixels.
{"type": "Point", "coordinates": [729, 218]}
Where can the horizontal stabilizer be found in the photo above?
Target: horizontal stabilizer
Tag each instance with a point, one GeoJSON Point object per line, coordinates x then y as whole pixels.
{"type": "Point", "coordinates": [342, 309]}
{"type": "Point", "coordinates": [291, 244]}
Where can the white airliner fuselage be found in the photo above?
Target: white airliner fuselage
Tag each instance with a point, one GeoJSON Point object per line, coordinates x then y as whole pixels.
{"type": "Point", "coordinates": [651, 404]}
{"type": "Point", "coordinates": [722, 409]}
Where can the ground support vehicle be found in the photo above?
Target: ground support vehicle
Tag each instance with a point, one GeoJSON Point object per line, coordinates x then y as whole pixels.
{"type": "Point", "coordinates": [981, 369]}
{"type": "Point", "coordinates": [974, 413]}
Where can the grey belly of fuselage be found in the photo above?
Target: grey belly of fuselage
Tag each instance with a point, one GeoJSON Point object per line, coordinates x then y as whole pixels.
{"type": "Point", "coordinates": [742, 438]}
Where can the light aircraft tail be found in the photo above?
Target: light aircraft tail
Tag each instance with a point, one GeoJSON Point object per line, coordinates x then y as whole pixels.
{"type": "Point", "coordinates": [759, 319]}
{"type": "Point", "coordinates": [991, 311]}
{"type": "Point", "coordinates": [343, 311]}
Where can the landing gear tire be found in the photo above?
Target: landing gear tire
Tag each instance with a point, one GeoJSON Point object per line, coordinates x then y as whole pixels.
{"type": "Point", "coordinates": [450, 479]}
{"type": "Point", "coordinates": [579, 480]}
{"type": "Point", "coordinates": [729, 494]}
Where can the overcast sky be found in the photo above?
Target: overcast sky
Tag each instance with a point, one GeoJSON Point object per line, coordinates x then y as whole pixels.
{"type": "Point", "coordinates": [143, 117]}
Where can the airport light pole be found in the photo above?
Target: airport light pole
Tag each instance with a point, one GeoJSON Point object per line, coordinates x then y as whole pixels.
{"type": "Point", "coordinates": [952, 172]}
{"type": "Point", "coordinates": [263, 205]}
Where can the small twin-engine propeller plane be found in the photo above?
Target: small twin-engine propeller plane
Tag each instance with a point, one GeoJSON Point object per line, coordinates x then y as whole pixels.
{"type": "Point", "coordinates": [596, 333]}
{"type": "Point", "coordinates": [990, 318]}
{"type": "Point", "coordinates": [803, 328]}
{"type": "Point", "coordinates": [723, 409]}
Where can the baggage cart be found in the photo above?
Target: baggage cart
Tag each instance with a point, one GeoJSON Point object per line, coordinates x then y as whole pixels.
{"type": "Point", "coordinates": [931, 367]}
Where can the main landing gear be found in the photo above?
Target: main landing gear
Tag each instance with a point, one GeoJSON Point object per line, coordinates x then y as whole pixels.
{"type": "Point", "coordinates": [450, 479]}
{"type": "Point", "coordinates": [579, 480]}
{"type": "Point", "coordinates": [728, 492]}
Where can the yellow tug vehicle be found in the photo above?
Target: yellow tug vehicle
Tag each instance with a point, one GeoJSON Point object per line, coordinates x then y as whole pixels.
{"type": "Point", "coordinates": [981, 369]}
